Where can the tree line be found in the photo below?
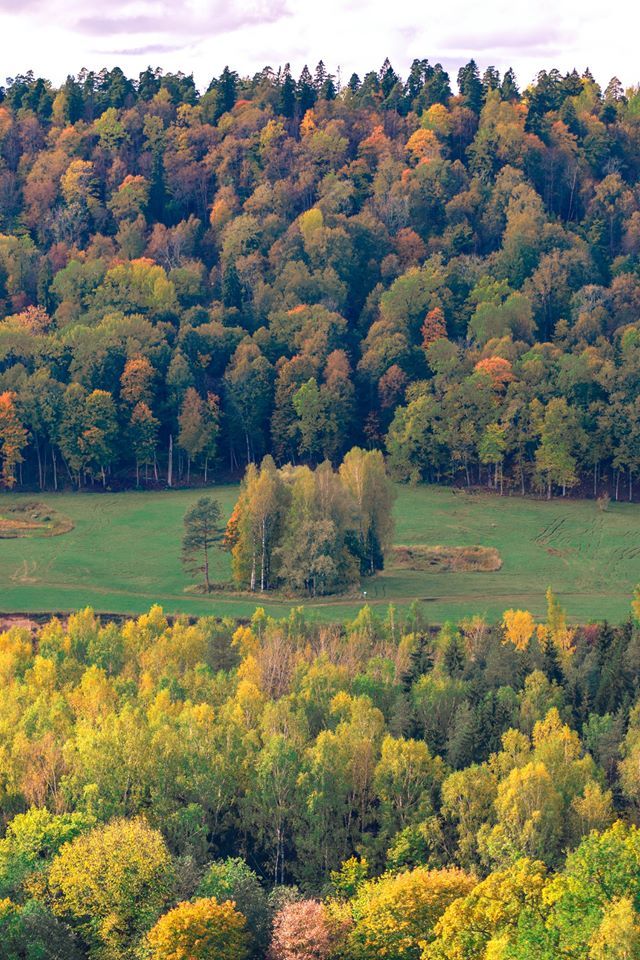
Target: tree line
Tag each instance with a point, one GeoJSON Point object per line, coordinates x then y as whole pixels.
{"type": "Point", "coordinates": [283, 789]}
{"type": "Point", "coordinates": [190, 281]}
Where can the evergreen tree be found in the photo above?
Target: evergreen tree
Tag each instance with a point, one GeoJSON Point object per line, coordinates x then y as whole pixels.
{"type": "Point", "coordinates": [201, 532]}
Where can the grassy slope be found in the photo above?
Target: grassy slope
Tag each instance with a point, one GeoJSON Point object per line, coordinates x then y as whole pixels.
{"type": "Point", "coordinates": [123, 555]}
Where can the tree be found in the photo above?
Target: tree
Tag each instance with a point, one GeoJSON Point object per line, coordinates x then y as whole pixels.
{"type": "Point", "coordinates": [588, 915]}
{"type": "Point", "coordinates": [201, 532]}
{"type": "Point", "coordinates": [309, 406]}
{"type": "Point", "coordinates": [519, 627]}
{"type": "Point", "coordinates": [258, 516]}
{"type": "Point", "coordinates": [309, 529]}
{"type": "Point", "coordinates": [434, 327]}
{"type": "Point", "coordinates": [136, 382]}
{"type": "Point", "coordinates": [529, 811]}
{"type": "Point", "coordinates": [100, 434]}
{"type": "Point", "coordinates": [192, 437]}
{"type": "Point", "coordinates": [470, 85]}
{"type": "Point", "coordinates": [273, 801]}
{"type": "Point", "coordinates": [112, 883]}
{"type": "Point", "coordinates": [232, 879]}
{"type": "Point", "coordinates": [30, 930]}
{"type": "Point", "coordinates": [559, 436]}
{"type": "Point", "coordinates": [303, 931]}
{"type": "Point", "coordinates": [489, 913]}
{"type": "Point", "coordinates": [201, 929]}
{"type": "Point", "coordinates": [143, 429]}
{"type": "Point", "coordinates": [249, 388]}
{"type": "Point", "coordinates": [558, 632]}
{"type": "Point", "coordinates": [618, 936]}
{"type": "Point", "coordinates": [32, 839]}
{"type": "Point", "coordinates": [396, 915]}
{"type": "Point", "coordinates": [13, 438]}
{"type": "Point", "coordinates": [407, 779]}
{"type": "Point", "coordinates": [491, 450]}
{"type": "Point", "coordinates": [364, 475]}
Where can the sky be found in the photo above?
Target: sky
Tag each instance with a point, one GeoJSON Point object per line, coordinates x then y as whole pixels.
{"type": "Point", "coordinates": [57, 37]}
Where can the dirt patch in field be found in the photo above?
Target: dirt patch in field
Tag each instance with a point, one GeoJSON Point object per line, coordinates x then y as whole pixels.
{"type": "Point", "coordinates": [554, 552]}
{"type": "Point", "coordinates": [32, 519]}
{"type": "Point", "coordinates": [473, 559]}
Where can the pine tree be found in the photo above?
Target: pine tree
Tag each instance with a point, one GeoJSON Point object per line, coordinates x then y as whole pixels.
{"type": "Point", "coordinates": [201, 532]}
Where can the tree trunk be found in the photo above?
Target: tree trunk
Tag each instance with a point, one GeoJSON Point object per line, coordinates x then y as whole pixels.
{"type": "Point", "coordinates": [264, 550]}
{"type": "Point", "coordinates": [206, 466]}
{"type": "Point", "coordinates": [170, 463]}
{"type": "Point", "coordinates": [40, 481]}
{"type": "Point", "coordinates": [206, 566]}
{"type": "Point", "coordinates": [617, 484]}
{"type": "Point", "coordinates": [630, 486]}
{"type": "Point", "coordinates": [55, 471]}
{"type": "Point", "coordinates": [137, 473]}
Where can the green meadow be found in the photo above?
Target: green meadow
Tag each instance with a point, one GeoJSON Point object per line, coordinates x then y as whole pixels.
{"type": "Point", "coordinates": [123, 554]}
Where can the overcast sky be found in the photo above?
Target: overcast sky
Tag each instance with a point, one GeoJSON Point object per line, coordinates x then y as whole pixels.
{"type": "Point", "coordinates": [54, 37]}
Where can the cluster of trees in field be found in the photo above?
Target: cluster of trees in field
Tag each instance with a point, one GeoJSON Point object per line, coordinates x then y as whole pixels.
{"type": "Point", "coordinates": [288, 267]}
{"type": "Point", "coordinates": [311, 530]}
{"type": "Point", "coordinates": [378, 789]}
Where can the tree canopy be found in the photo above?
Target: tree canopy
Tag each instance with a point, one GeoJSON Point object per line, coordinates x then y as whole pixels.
{"type": "Point", "coordinates": [191, 280]}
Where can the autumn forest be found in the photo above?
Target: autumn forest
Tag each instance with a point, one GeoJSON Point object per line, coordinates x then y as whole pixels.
{"type": "Point", "coordinates": [321, 289]}
{"type": "Point", "coordinates": [191, 280]}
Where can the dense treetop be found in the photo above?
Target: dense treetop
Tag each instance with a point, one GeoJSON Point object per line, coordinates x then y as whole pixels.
{"type": "Point", "coordinates": [282, 265]}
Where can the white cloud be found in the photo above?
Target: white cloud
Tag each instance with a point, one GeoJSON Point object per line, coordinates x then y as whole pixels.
{"type": "Point", "coordinates": [55, 37]}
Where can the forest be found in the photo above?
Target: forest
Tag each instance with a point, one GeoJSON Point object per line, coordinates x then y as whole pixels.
{"type": "Point", "coordinates": [190, 280]}
{"type": "Point", "coordinates": [319, 287]}
{"type": "Point", "coordinates": [208, 790]}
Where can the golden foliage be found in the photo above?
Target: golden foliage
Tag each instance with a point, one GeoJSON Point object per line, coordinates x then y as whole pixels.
{"type": "Point", "coordinates": [200, 930]}
{"type": "Point", "coordinates": [519, 627]}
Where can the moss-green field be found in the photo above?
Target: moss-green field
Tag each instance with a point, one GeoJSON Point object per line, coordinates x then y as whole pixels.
{"type": "Point", "coordinates": [123, 554]}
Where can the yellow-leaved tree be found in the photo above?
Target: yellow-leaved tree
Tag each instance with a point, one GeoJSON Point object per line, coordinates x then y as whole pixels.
{"type": "Point", "coordinates": [111, 884]}
{"type": "Point", "coordinates": [558, 632]}
{"type": "Point", "coordinates": [477, 922]}
{"type": "Point", "coordinates": [200, 930]}
{"type": "Point", "coordinates": [394, 916]}
{"type": "Point", "coordinates": [519, 627]}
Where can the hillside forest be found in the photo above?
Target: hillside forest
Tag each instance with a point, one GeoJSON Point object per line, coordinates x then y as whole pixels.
{"type": "Point", "coordinates": [190, 280]}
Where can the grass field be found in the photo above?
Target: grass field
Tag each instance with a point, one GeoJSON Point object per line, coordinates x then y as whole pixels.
{"type": "Point", "coordinates": [123, 554]}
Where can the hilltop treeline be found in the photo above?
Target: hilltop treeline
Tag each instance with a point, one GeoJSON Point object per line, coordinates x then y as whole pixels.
{"type": "Point", "coordinates": [191, 280]}
{"type": "Point", "coordinates": [375, 789]}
